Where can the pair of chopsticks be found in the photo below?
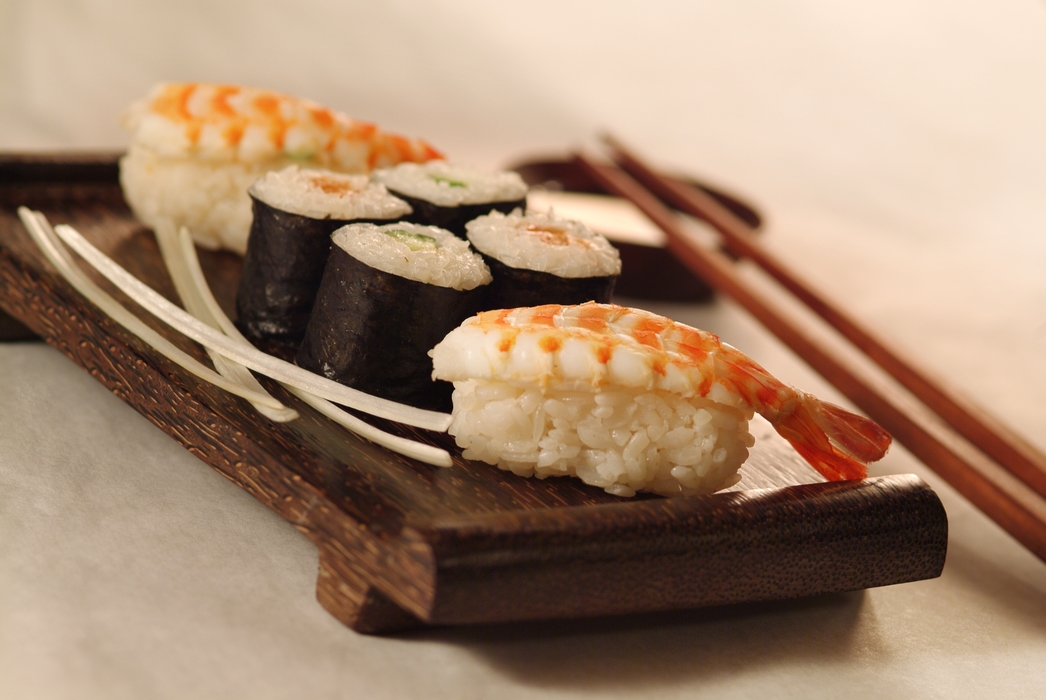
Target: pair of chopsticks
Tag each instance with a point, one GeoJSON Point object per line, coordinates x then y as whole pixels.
{"type": "Point", "coordinates": [991, 466]}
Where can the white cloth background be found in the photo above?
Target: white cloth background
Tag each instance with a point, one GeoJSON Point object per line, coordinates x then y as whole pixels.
{"type": "Point", "coordinates": [898, 152]}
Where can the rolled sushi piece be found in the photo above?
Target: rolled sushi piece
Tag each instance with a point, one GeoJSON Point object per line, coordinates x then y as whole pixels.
{"type": "Point", "coordinates": [629, 401]}
{"type": "Point", "coordinates": [538, 258]}
{"type": "Point", "coordinates": [449, 196]}
{"type": "Point", "coordinates": [388, 294]}
{"type": "Point", "coordinates": [295, 213]}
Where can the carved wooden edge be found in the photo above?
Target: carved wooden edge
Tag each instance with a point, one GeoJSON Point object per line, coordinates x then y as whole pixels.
{"type": "Point", "coordinates": [66, 167]}
{"type": "Point", "coordinates": [355, 602]}
{"type": "Point", "coordinates": [726, 548]}
{"type": "Point", "coordinates": [12, 330]}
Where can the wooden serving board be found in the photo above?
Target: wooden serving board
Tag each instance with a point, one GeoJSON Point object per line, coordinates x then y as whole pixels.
{"type": "Point", "coordinates": [402, 543]}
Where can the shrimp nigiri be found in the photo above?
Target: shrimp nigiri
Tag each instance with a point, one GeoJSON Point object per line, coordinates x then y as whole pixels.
{"type": "Point", "coordinates": [629, 401]}
{"type": "Point", "coordinates": [197, 147]}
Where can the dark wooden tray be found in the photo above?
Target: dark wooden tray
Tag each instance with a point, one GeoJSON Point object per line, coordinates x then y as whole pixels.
{"type": "Point", "coordinates": [404, 544]}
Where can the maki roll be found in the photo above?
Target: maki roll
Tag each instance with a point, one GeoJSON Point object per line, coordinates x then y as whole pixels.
{"type": "Point", "coordinates": [295, 213]}
{"type": "Point", "coordinates": [540, 259]}
{"type": "Point", "coordinates": [389, 294]}
{"type": "Point", "coordinates": [449, 196]}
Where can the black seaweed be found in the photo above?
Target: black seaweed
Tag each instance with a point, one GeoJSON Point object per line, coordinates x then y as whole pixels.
{"type": "Point", "coordinates": [286, 254]}
{"type": "Point", "coordinates": [514, 287]}
{"type": "Point", "coordinates": [372, 330]}
{"type": "Point", "coordinates": [454, 218]}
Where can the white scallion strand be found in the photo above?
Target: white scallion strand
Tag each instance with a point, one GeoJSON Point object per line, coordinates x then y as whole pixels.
{"type": "Point", "coordinates": [44, 237]}
{"type": "Point", "coordinates": [173, 258]}
{"type": "Point", "coordinates": [244, 353]}
{"type": "Point", "coordinates": [202, 291]}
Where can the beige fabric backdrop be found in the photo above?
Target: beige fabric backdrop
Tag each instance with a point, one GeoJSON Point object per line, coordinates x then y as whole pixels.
{"type": "Point", "coordinates": [899, 153]}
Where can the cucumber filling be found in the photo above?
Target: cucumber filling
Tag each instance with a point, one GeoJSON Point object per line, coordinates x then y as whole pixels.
{"type": "Point", "coordinates": [414, 241]}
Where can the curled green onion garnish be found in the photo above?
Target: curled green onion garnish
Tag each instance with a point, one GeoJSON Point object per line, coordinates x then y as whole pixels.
{"type": "Point", "coordinates": [414, 241]}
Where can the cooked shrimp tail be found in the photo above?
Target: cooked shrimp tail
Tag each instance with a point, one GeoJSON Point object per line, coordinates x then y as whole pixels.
{"type": "Point", "coordinates": [836, 442]}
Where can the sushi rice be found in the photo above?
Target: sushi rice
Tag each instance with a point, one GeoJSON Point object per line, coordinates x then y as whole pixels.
{"type": "Point", "coordinates": [449, 185]}
{"type": "Point", "coordinates": [324, 194]}
{"type": "Point", "coordinates": [545, 243]}
{"type": "Point", "coordinates": [621, 440]}
{"type": "Point", "coordinates": [422, 253]}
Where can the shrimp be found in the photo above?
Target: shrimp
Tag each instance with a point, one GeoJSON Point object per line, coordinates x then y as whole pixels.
{"type": "Point", "coordinates": [229, 122]}
{"type": "Point", "coordinates": [196, 149]}
{"type": "Point", "coordinates": [604, 347]}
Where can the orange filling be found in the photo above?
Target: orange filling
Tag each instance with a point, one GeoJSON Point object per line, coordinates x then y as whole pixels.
{"type": "Point", "coordinates": [330, 185]}
{"type": "Point", "coordinates": [555, 236]}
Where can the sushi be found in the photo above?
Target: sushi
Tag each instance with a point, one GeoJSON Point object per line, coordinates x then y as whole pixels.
{"type": "Point", "coordinates": [295, 212]}
{"type": "Point", "coordinates": [197, 147]}
{"type": "Point", "coordinates": [449, 196]}
{"type": "Point", "coordinates": [629, 401]}
{"type": "Point", "coordinates": [538, 258]}
{"type": "Point", "coordinates": [388, 294]}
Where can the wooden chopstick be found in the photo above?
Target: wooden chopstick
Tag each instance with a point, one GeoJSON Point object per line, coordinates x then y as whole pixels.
{"type": "Point", "coordinates": [1017, 508]}
{"type": "Point", "coordinates": [975, 423]}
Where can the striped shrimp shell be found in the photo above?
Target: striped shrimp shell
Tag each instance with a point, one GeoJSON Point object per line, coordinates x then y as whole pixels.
{"type": "Point", "coordinates": [603, 348]}
{"type": "Point", "coordinates": [197, 147]}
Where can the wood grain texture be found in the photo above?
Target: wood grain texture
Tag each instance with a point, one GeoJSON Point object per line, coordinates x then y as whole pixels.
{"type": "Point", "coordinates": [402, 543]}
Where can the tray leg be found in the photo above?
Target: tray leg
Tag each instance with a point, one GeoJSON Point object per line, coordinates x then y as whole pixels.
{"type": "Point", "coordinates": [11, 329]}
{"type": "Point", "coordinates": [356, 603]}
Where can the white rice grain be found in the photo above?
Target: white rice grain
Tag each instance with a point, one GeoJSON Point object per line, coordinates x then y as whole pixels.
{"type": "Point", "coordinates": [619, 440]}
{"type": "Point", "coordinates": [447, 262]}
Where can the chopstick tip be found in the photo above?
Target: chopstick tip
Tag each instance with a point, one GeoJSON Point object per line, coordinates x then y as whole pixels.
{"type": "Point", "coordinates": [609, 139]}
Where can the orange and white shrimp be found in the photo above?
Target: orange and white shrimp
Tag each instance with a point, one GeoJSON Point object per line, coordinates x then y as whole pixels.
{"type": "Point", "coordinates": [197, 147]}
{"type": "Point", "coordinates": [629, 400]}
{"type": "Point", "coordinates": [229, 122]}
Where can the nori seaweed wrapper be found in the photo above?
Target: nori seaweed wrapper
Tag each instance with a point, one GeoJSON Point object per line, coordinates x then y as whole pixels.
{"type": "Point", "coordinates": [453, 219]}
{"type": "Point", "coordinates": [514, 287]}
{"type": "Point", "coordinates": [282, 269]}
{"type": "Point", "coordinates": [372, 330]}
